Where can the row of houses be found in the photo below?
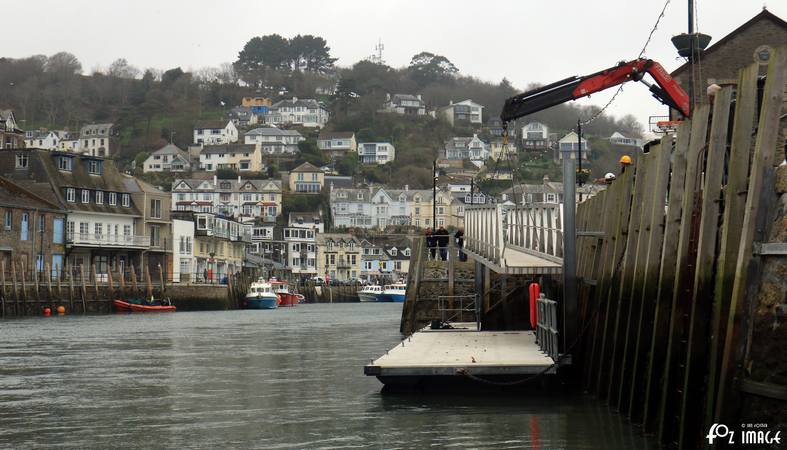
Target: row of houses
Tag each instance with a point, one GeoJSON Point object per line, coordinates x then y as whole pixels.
{"type": "Point", "coordinates": [301, 112]}
{"type": "Point", "coordinates": [378, 207]}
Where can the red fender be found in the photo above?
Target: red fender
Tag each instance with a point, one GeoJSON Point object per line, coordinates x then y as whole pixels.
{"type": "Point", "coordinates": [535, 292]}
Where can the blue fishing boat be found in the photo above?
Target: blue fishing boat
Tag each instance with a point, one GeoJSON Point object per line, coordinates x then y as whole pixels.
{"type": "Point", "coordinates": [393, 293]}
{"type": "Point", "coordinates": [261, 296]}
{"type": "Point", "coordinates": [370, 293]}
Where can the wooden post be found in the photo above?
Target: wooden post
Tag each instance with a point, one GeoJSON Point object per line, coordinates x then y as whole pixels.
{"type": "Point", "coordinates": [95, 279]}
{"type": "Point", "coordinates": [163, 287]}
{"type": "Point", "coordinates": [16, 289]}
{"type": "Point", "coordinates": [2, 280]}
{"type": "Point", "coordinates": [70, 271]}
{"type": "Point", "coordinates": [24, 286]}
{"type": "Point", "coordinates": [110, 287]}
{"type": "Point", "coordinates": [684, 271]}
{"type": "Point", "coordinates": [148, 283]}
{"type": "Point", "coordinates": [695, 359]}
{"type": "Point", "coordinates": [48, 281]}
{"type": "Point", "coordinates": [487, 287]}
{"type": "Point", "coordinates": [59, 282]}
{"type": "Point", "coordinates": [122, 278]}
{"type": "Point", "coordinates": [84, 288]}
{"type": "Point", "coordinates": [451, 268]}
{"type": "Point", "coordinates": [35, 280]}
{"type": "Point", "coordinates": [133, 281]}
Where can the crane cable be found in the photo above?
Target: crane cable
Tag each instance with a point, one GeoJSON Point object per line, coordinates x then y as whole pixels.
{"type": "Point", "coordinates": [641, 54]}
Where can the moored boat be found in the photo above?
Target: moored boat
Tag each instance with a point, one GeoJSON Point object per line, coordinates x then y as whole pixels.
{"type": "Point", "coordinates": [136, 305]}
{"type": "Point", "coordinates": [261, 296]}
{"type": "Point", "coordinates": [370, 293]}
{"type": "Point", "coordinates": [393, 293]}
{"type": "Point", "coordinates": [282, 290]}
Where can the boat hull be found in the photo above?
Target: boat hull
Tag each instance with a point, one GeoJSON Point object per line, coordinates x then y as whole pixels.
{"type": "Point", "coordinates": [395, 298]}
{"type": "Point", "coordinates": [262, 302]}
{"type": "Point", "coordinates": [123, 306]}
{"type": "Point", "coordinates": [288, 299]}
{"type": "Point", "coordinates": [368, 297]}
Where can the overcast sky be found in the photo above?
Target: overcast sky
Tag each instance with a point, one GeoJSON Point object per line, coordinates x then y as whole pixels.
{"type": "Point", "coordinates": [524, 41]}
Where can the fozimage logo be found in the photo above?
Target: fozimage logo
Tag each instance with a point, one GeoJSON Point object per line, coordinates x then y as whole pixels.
{"type": "Point", "coordinates": [750, 433]}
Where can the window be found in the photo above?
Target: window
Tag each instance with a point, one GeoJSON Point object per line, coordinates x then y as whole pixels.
{"type": "Point", "coordinates": [95, 167]}
{"type": "Point", "coordinates": [70, 229]}
{"type": "Point", "coordinates": [126, 230]}
{"type": "Point", "coordinates": [21, 160]}
{"type": "Point", "coordinates": [98, 229]}
{"type": "Point", "coordinates": [126, 200]}
{"type": "Point", "coordinates": [85, 196]}
{"type": "Point", "coordinates": [113, 199]}
{"type": "Point", "coordinates": [41, 223]}
{"type": "Point", "coordinates": [83, 230]}
{"type": "Point", "coordinates": [155, 208]}
{"type": "Point", "coordinates": [64, 163]}
{"type": "Point", "coordinates": [99, 197]}
{"type": "Point", "coordinates": [155, 235]}
{"type": "Point", "coordinates": [25, 231]}
{"type": "Point", "coordinates": [9, 219]}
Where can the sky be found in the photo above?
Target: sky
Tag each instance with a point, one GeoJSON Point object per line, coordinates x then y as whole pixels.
{"type": "Point", "coordinates": [524, 41]}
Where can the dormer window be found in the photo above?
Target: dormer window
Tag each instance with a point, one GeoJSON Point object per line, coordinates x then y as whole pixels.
{"type": "Point", "coordinates": [22, 160]}
{"type": "Point", "coordinates": [99, 197]}
{"type": "Point", "coordinates": [64, 163]}
{"type": "Point", "coordinates": [95, 167]}
{"type": "Point", "coordinates": [360, 196]}
{"type": "Point", "coordinates": [70, 194]}
{"type": "Point", "coordinates": [113, 199]}
{"type": "Point", "coordinates": [85, 196]}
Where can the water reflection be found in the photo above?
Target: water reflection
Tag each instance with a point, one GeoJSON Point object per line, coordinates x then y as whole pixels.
{"type": "Point", "coordinates": [265, 379]}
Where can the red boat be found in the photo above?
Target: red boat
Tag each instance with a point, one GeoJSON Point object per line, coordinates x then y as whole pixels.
{"type": "Point", "coordinates": [282, 290]}
{"type": "Point", "coordinates": [122, 305]}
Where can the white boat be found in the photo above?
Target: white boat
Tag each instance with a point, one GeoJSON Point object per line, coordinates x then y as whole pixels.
{"type": "Point", "coordinates": [370, 293]}
{"type": "Point", "coordinates": [261, 296]}
{"type": "Point", "coordinates": [393, 293]}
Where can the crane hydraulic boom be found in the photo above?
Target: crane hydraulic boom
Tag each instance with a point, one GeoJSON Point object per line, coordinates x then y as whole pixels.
{"type": "Point", "coordinates": [666, 90]}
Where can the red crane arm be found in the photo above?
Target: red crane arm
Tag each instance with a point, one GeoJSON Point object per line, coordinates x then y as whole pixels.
{"type": "Point", "coordinates": [666, 89]}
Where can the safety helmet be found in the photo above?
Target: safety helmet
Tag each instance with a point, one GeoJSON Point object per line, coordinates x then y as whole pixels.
{"type": "Point", "coordinates": [625, 159]}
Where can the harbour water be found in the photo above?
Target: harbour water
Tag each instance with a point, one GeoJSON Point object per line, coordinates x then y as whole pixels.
{"type": "Point", "coordinates": [289, 378]}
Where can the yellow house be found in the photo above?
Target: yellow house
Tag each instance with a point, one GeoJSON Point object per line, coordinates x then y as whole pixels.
{"type": "Point", "coordinates": [338, 256]}
{"type": "Point", "coordinates": [256, 101]}
{"type": "Point", "coordinates": [421, 208]}
{"type": "Point", "coordinates": [307, 178]}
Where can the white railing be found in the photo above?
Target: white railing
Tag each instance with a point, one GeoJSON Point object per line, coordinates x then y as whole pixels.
{"type": "Point", "coordinates": [536, 229]}
{"type": "Point", "coordinates": [113, 240]}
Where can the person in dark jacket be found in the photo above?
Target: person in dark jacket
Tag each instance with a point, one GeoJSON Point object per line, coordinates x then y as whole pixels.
{"type": "Point", "coordinates": [459, 238]}
{"type": "Point", "coordinates": [431, 244]}
{"type": "Point", "coordinates": [442, 236]}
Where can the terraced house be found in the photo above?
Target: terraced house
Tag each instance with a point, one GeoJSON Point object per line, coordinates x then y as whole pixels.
{"type": "Point", "coordinates": [305, 112]}
{"type": "Point", "coordinates": [338, 256]}
{"type": "Point", "coordinates": [98, 139]}
{"type": "Point", "coordinates": [239, 198]}
{"type": "Point", "coordinates": [103, 221]}
{"type": "Point", "coordinates": [218, 248]}
{"type": "Point", "coordinates": [274, 141]}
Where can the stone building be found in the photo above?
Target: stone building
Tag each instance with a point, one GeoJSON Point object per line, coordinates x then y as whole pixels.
{"type": "Point", "coordinates": [338, 256]}
{"type": "Point", "coordinates": [719, 64]}
{"type": "Point", "coordinates": [32, 235]}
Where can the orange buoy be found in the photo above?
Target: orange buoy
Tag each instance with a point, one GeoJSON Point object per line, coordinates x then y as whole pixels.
{"type": "Point", "coordinates": [47, 312]}
{"type": "Point", "coordinates": [535, 293]}
{"type": "Point", "coordinates": [61, 310]}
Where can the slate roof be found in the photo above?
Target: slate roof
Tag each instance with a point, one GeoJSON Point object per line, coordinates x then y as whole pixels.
{"type": "Point", "coordinates": [95, 129]}
{"type": "Point", "coordinates": [307, 217]}
{"type": "Point", "coordinates": [13, 195]}
{"type": "Point", "coordinates": [272, 131]}
{"type": "Point", "coordinates": [235, 186]}
{"type": "Point", "coordinates": [339, 182]}
{"type": "Point", "coordinates": [210, 124]}
{"type": "Point", "coordinates": [171, 149]}
{"type": "Point", "coordinates": [306, 167]}
{"type": "Point", "coordinates": [397, 99]}
{"type": "Point", "coordinates": [323, 238]}
{"type": "Point", "coordinates": [326, 135]}
{"type": "Point", "coordinates": [304, 102]}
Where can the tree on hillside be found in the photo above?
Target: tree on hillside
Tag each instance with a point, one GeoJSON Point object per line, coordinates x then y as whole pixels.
{"type": "Point", "coordinates": [311, 54]}
{"type": "Point", "coordinates": [63, 64]}
{"type": "Point", "coordinates": [120, 68]}
{"type": "Point", "coordinates": [260, 55]}
{"type": "Point", "coordinates": [426, 68]}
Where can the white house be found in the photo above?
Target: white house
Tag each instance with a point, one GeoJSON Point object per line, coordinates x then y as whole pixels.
{"type": "Point", "coordinates": [237, 157]}
{"type": "Point", "coordinates": [337, 143]}
{"type": "Point", "coordinates": [215, 132]}
{"type": "Point", "coordinates": [535, 136]}
{"type": "Point", "coordinates": [97, 139]}
{"type": "Point", "coordinates": [405, 104]}
{"type": "Point", "coordinates": [45, 139]}
{"type": "Point", "coordinates": [183, 262]}
{"type": "Point", "coordinates": [168, 158]}
{"type": "Point", "coordinates": [351, 208]}
{"type": "Point", "coordinates": [472, 148]}
{"type": "Point", "coordinates": [619, 139]}
{"type": "Point", "coordinates": [274, 141]}
{"type": "Point", "coordinates": [246, 199]}
{"type": "Point", "coordinates": [466, 111]}
{"type": "Point", "coordinates": [242, 116]}
{"type": "Point", "coordinates": [300, 236]}
{"type": "Point", "coordinates": [376, 152]}
{"type": "Point", "coordinates": [569, 144]}
{"type": "Point", "coordinates": [305, 112]}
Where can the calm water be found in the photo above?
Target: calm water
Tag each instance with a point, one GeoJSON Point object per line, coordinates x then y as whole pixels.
{"type": "Point", "coordinates": [290, 378]}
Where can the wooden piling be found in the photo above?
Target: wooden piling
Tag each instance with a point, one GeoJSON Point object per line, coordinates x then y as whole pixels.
{"type": "Point", "coordinates": [95, 279]}
{"type": "Point", "coordinates": [148, 283]}
{"type": "Point", "coordinates": [122, 278]}
{"type": "Point", "coordinates": [134, 290]}
{"type": "Point", "coordinates": [16, 289]}
{"type": "Point", "coordinates": [59, 283]}
{"type": "Point", "coordinates": [2, 280]}
{"type": "Point", "coordinates": [110, 287]}
{"type": "Point", "coordinates": [70, 271]}
{"type": "Point", "coordinates": [48, 281]}
{"type": "Point", "coordinates": [84, 288]}
{"type": "Point", "coordinates": [24, 287]}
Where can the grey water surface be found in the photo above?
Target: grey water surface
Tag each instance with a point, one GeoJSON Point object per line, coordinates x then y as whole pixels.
{"type": "Point", "coordinates": [287, 378]}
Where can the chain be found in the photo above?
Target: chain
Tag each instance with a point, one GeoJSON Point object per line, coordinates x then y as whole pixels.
{"type": "Point", "coordinates": [641, 53]}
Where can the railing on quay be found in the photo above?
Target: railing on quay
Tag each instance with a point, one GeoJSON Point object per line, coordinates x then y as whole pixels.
{"type": "Point", "coordinates": [546, 328]}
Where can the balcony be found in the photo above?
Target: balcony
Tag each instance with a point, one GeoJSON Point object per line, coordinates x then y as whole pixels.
{"type": "Point", "coordinates": [343, 264]}
{"type": "Point", "coordinates": [107, 240]}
